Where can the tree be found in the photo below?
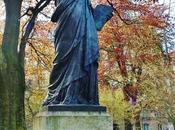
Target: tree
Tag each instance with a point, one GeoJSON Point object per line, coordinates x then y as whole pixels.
{"type": "Point", "coordinates": [130, 43]}
{"type": "Point", "coordinates": [12, 76]}
{"type": "Point", "coordinates": [159, 92]}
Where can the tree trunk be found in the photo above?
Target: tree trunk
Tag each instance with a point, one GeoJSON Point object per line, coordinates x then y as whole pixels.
{"type": "Point", "coordinates": [12, 80]}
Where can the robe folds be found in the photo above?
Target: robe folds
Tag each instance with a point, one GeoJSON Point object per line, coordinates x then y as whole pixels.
{"type": "Point", "coordinates": [73, 79]}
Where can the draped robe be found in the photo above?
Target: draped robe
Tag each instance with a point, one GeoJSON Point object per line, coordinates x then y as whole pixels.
{"type": "Point", "coordinates": [73, 79]}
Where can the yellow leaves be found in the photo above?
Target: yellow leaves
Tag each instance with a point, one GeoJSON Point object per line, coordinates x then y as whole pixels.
{"type": "Point", "coordinates": [33, 99]}
{"type": "Point", "coordinates": [39, 57]}
{"type": "Point", "coordinates": [114, 100]}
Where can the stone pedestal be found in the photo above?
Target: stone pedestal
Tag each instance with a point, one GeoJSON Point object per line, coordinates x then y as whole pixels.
{"type": "Point", "coordinates": [73, 118]}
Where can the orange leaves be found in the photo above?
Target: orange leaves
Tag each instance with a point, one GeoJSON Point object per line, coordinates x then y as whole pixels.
{"type": "Point", "coordinates": [120, 38]}
{"type": "Point", "coordinates": [147, 58]}
{"type": "Point", "coordinates": [155, 16]}
{"type": "Point", "coordinates": [118, 50]}
{"type": "Point", "coordinates": [154, 21]}
{"type": "Point", "coordinates": [144, 12]}
{"type": "Point", "coordinates": [136, 45]}
{"type": "Point", "coordinates": [134, 60]}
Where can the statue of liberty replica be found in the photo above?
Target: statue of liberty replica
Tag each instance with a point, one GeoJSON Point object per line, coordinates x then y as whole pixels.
{"type": "Point", "coordinates": [73, 79]}
{"type": "Point", "coordinates": [72, 102]}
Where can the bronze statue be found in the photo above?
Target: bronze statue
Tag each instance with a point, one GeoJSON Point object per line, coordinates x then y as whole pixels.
{"type": "Point", "coordinates": [73, 79]}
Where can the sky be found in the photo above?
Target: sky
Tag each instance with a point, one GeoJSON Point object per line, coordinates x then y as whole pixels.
{"type": "Point", "coordinates": [2, 10]}
{"type": "Point", "coordinates": [171, 6]}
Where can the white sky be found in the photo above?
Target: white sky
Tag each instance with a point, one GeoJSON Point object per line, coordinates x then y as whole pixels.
{"type": "Point", "coordinates": [2, 10]}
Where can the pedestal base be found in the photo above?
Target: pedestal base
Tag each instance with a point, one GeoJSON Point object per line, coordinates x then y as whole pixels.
{"type": "Point", "coordinates": [76, 118]}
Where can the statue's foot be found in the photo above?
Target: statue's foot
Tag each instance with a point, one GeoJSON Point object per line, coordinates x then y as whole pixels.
{"type": "Point", "coordinates": [47, 101]}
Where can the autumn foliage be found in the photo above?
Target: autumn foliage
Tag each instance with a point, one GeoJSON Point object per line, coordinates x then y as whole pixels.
{"type": "Point", "coordinates": [132, 55]}
{"type": "Point", "coordinates": [130, 47]}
